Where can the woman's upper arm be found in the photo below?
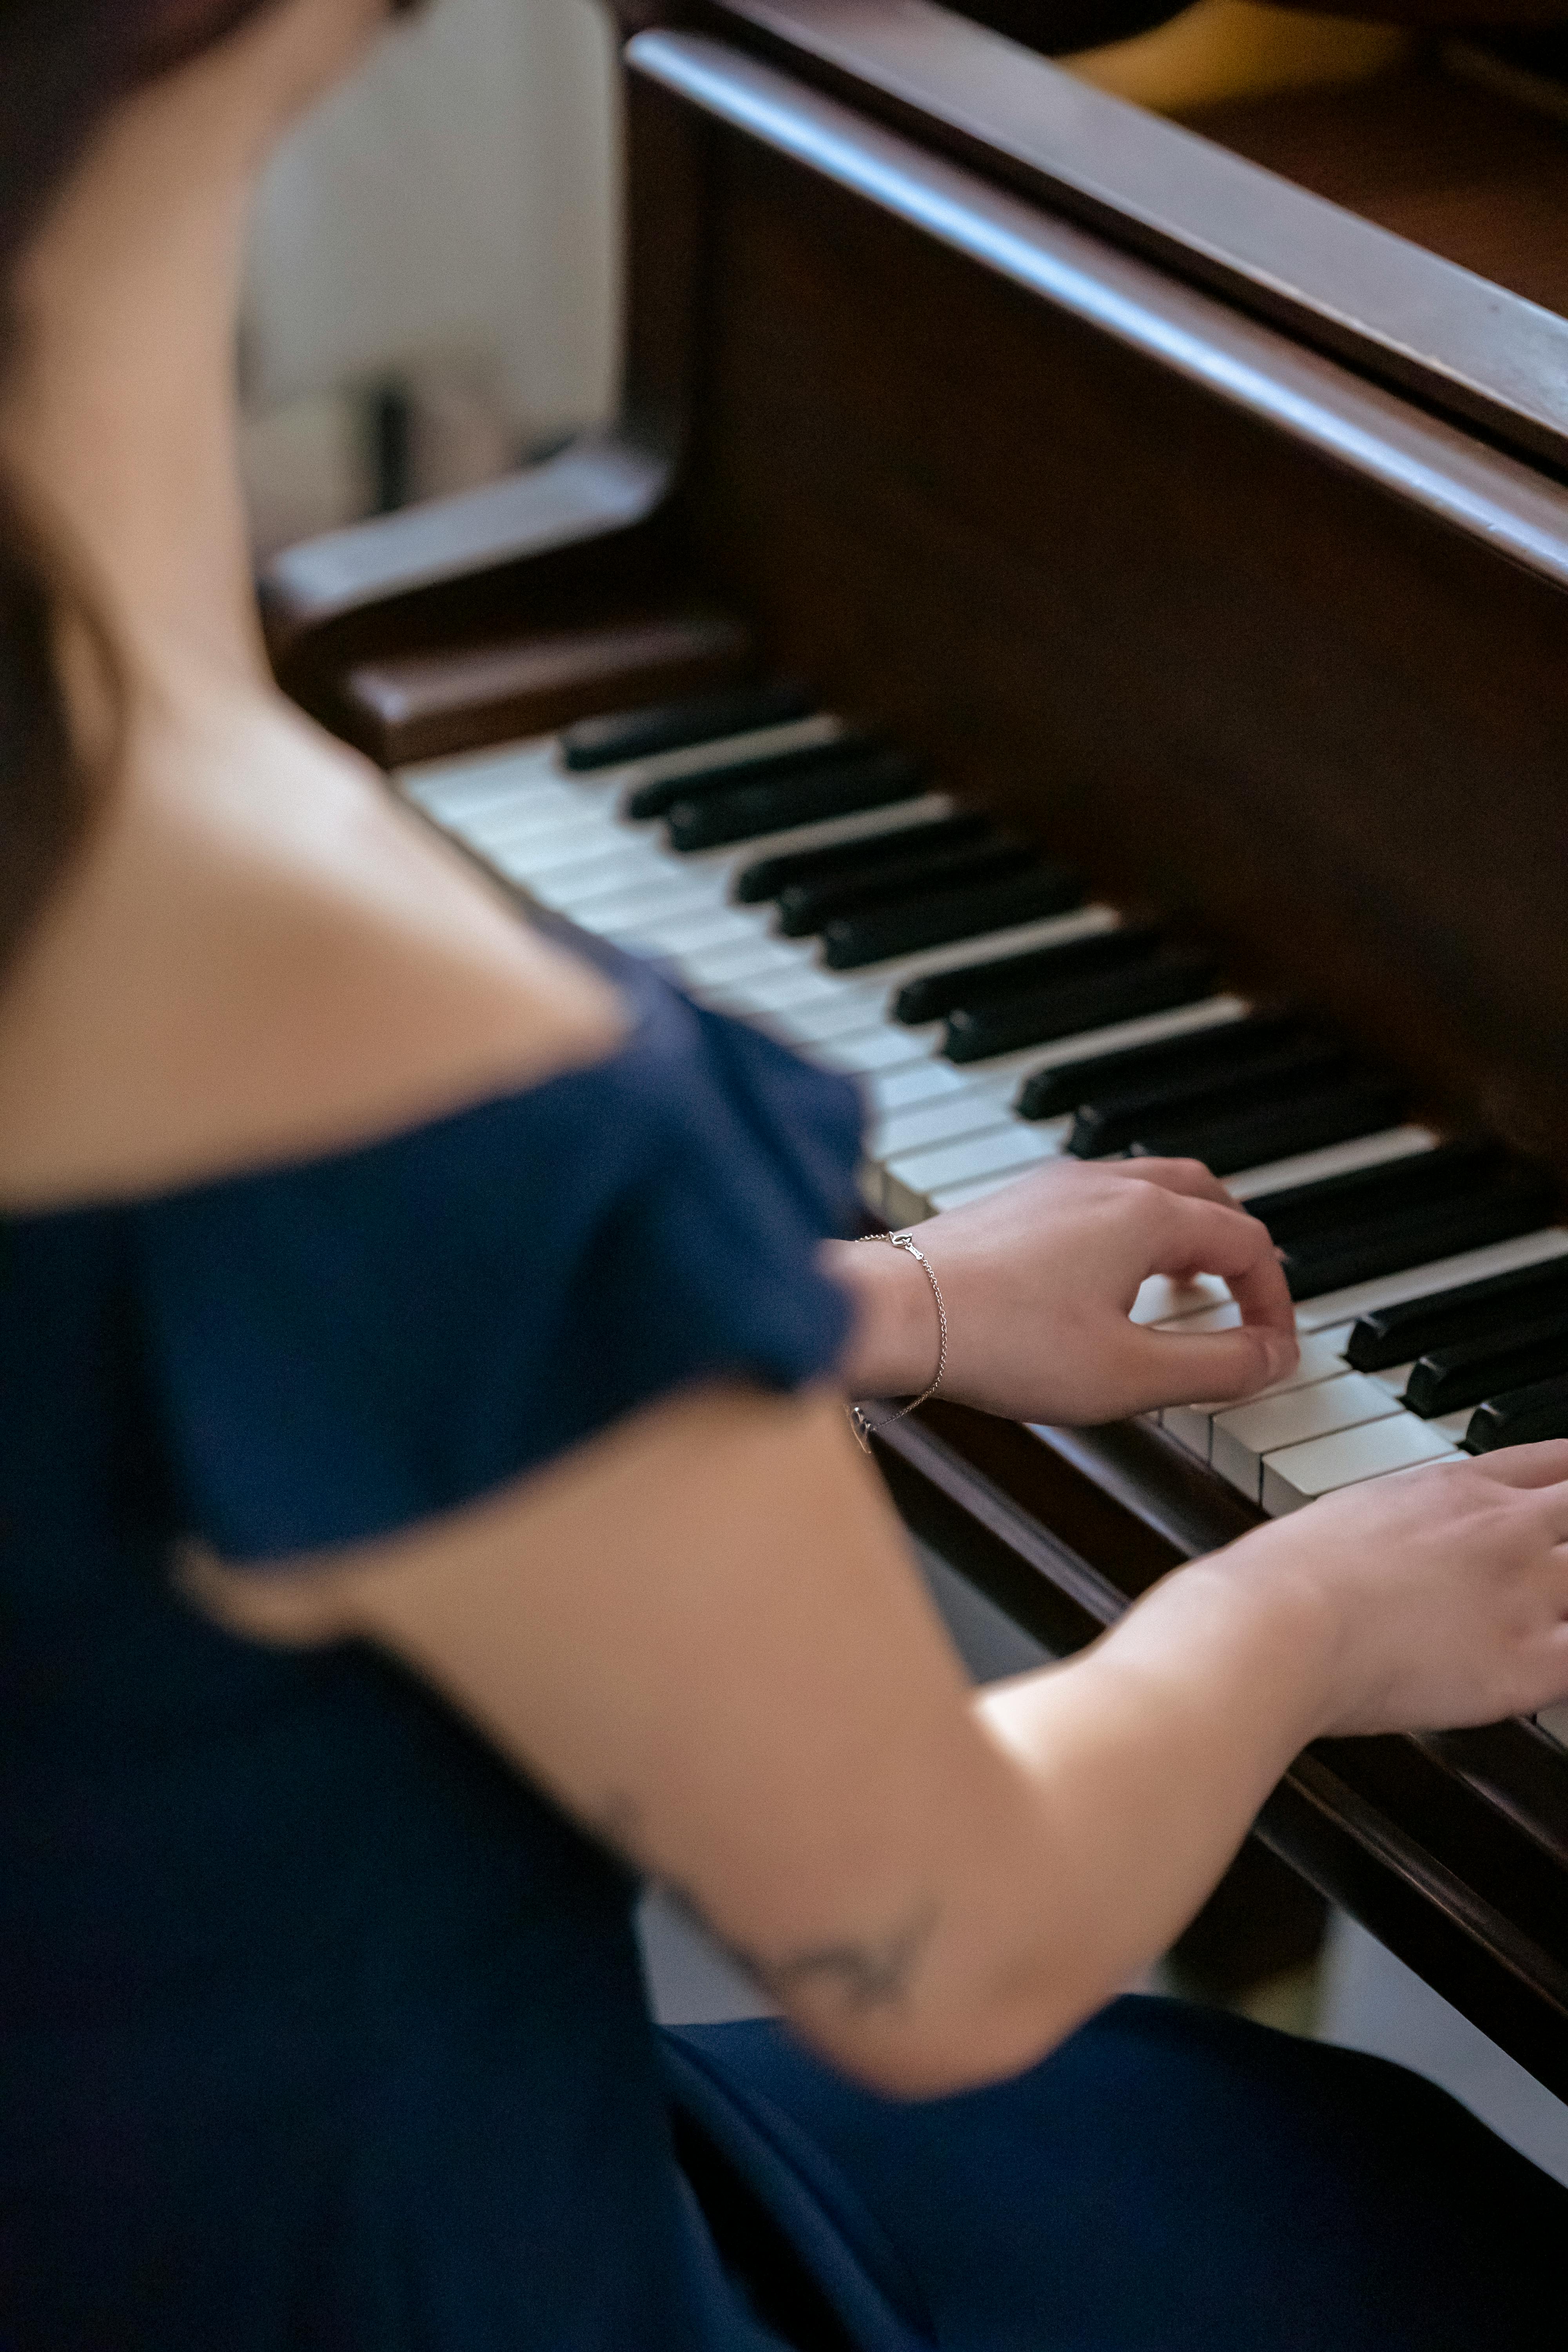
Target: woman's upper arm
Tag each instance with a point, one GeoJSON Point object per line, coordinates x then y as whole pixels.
{"type": "Point", "coordinates": [701, 1632]}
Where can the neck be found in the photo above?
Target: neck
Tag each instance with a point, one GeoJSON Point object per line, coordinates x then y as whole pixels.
{"type": "Point", "coordinates": [121, 425]}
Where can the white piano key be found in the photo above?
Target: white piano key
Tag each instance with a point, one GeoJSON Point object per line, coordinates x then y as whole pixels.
{"type": "Point", "coordinates": [1225, 1316]}
{"type": "Point", "coordinates": [520, 782]}
{"type": "Point", "coordinates": [878, 982]}
{"type": "Point", "coordinates": [657, 874]}
{"type": "Point", "coordinates": [1019, 1146]}
{"type": "Point", "coordinates": [650, 916]}
{"type": "Point", "coordinates": [777, 991]}
{"type": "Point", "coordinates": [621, 907]}
{"type": "Point", "coordinates": [1191, 1425]}
{"type": "Point", "coordinates": [998, 1080]}
{"type": "Point", "coordinates": [886, 1048]}
{"type": "Point", "coordinates": [725, 750]}
{"type": "Point", "coordinates": [1148, 1029]}
{"type": "Point", "coordinates": [1163, 1300]}
{"type": "Point", "coordinates": [1300, 1472]}
{"type": "Point", "coordinates": [982, 1102]}
{"type": "Point", "coordinates": [1322, 1358]}
{"type": "Point", "coordinates": [453, 790]}
{"type": "Point", "coordinates": [976, 1111]}
{"type": "Point", "coordinates": [593, 882]}
{"type": "Point", "coordinates": [456, 789]}
{"type": "Point", "coordinates": [742, 959]}
{"type": "Point", "coordinates": [570, 855]}
{"type": "Point", "coordinates": [544, 802]}
{"type": "Point", "coordinates": [1554, 1721]}
{"type": "Point", "coordinates": [818, 1023]}
{"type": "Point", "coordinates": [1442, 1274]}
{"type": "Point", "coordinates": [986, 946]}
{"type": "Point", "coordinates": [675, 930]}
{"type": "Point", "coordinates": [1390, 1290]}
{"type": "Point", "coordinates": [547, 834]}
{"type": "Point", "coordinates": [1243, 1434]}
{"type": "Point", "coordinates": [894, 1090]}
{"type": "Point", "coordinates": [543, 815]}
{"type": "Point", "coordinates": [1335, 1160]}
{"type": "Point", "coordinates": [731, 858]}
{"type": "Point", "coordinates": [1392, 1377]}
{"type": "Point", "coordinates": [683, 934]}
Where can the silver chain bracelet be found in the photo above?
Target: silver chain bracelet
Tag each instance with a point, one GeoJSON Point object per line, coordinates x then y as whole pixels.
{"type": "Point", "coordinates": [858, 1422]}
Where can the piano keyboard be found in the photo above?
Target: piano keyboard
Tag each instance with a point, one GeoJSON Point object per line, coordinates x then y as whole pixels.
{"type": "Point", "coordinates": [794, 871]}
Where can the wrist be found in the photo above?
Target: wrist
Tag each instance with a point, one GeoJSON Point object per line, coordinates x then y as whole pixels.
{"type": "Point", "coordinates": [1265, 1637]}
{"type": "Point", "coordinates": [896, 1340]}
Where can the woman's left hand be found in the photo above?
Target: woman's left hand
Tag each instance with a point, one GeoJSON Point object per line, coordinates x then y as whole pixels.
{"type": "Point", "coordinates": [1039, 1281]}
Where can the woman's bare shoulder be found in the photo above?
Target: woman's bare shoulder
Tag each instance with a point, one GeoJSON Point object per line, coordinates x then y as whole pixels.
{"type": "Point", "coordinates": [258, 957]}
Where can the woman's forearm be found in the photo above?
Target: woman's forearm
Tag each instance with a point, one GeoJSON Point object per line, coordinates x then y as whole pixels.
{"type": "Point", "coordinates": [1151, 1756]}
{"type": "Point", "coordinates": [1131, 1775]}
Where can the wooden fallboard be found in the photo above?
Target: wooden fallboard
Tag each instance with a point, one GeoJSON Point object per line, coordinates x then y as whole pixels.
{"type": "Point", "coordinates": [1238, 632]}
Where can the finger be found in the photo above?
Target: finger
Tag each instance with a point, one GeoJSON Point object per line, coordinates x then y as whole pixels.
{"type": "Point", "coordinates": [1214, 1367]}
{"type": "Point", "coordinates": [1545, 1464]}
{"type": "Point", "coordinates": [1189, 1177]}
{"type": "Point", "coordinates": [1203, 1238]}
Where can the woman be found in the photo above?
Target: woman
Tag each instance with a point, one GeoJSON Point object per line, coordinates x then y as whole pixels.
{"type": "Point", "coordinates": [426, 1481]}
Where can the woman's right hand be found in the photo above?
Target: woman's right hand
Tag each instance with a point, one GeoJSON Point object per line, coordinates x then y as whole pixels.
{"type": "Point", "coordinates": [1445, 1589]}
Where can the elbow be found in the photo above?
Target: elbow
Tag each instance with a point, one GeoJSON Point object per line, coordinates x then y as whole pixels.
{"type": "Point", "coordinates": [921, 2057]}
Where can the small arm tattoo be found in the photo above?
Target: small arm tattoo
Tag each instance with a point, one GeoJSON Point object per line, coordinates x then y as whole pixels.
{"type": "Point", "coordinates": [868, 1973]}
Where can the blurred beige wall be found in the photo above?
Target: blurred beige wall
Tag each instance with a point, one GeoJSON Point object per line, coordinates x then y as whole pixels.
{"type": "Point", "coordinates": [452, 215]}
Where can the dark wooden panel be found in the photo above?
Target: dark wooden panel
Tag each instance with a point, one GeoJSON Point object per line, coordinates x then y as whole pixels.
{"type": "Point", "coordinates": [1184, 649]}
{"type": "Point", "coordinates": [565, 546]}
{"type": "Point", "coordinates": [415, 706]}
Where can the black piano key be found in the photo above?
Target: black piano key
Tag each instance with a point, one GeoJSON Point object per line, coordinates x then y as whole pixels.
{"type": "Point", "coordinates": [744, 812]}
{"type": "Point", "coordinates": [1514, 1205]}
{"type": "Point", "coordinates": [1278, 1130]}
{"type": "Point", "coordinates": [620, 735]}
{"type": "Point", "coordinates": [935, 994]}
{"type": "Point", "coordinates": [1333, 1203]}
{"type": "Point", "coordinates": [807, 908]}
{"type": "Point", "coordinates": [1449, 1379]}
{"type": "Point", "coordinates": [1114, 1119]}
{"type": "Point", "coordinates": [766, 877]}
{"type": "Point", "coordinates": [1473, 1310]}
{"type": "Point", "coordinates": [931, 922]}
{"type": "Point", "coordinates": [1202, 1054]}
{"type": "Point", "coordinates": [656, 800]}
{"type": "Point", "coordinates": [1522, 1417]}
{"type": "Point", "coordinates": [978, 1031]}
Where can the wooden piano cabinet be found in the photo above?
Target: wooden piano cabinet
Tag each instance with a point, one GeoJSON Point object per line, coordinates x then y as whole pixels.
{"type": "Point", "coordinates": [1212, 535]}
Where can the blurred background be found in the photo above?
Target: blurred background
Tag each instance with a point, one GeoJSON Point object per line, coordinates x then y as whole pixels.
{"type": "Point", "coordinates": [432, 290]}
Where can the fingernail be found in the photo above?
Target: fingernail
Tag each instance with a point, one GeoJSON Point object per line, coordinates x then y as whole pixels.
{"type": "Point", "coordinates": [1281, 1354]}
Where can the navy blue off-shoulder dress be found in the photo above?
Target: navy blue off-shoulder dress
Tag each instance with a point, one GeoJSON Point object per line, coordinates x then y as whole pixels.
{"type": "Point", "coordinates": [322, 2031]}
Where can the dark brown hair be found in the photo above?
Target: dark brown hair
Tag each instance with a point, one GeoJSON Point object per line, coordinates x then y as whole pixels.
{"type": "Point", "coordinates": [63, 65]}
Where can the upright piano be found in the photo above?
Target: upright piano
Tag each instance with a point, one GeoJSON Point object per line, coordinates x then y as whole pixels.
{"type": "Point", "coordinates": [1072, 624]}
